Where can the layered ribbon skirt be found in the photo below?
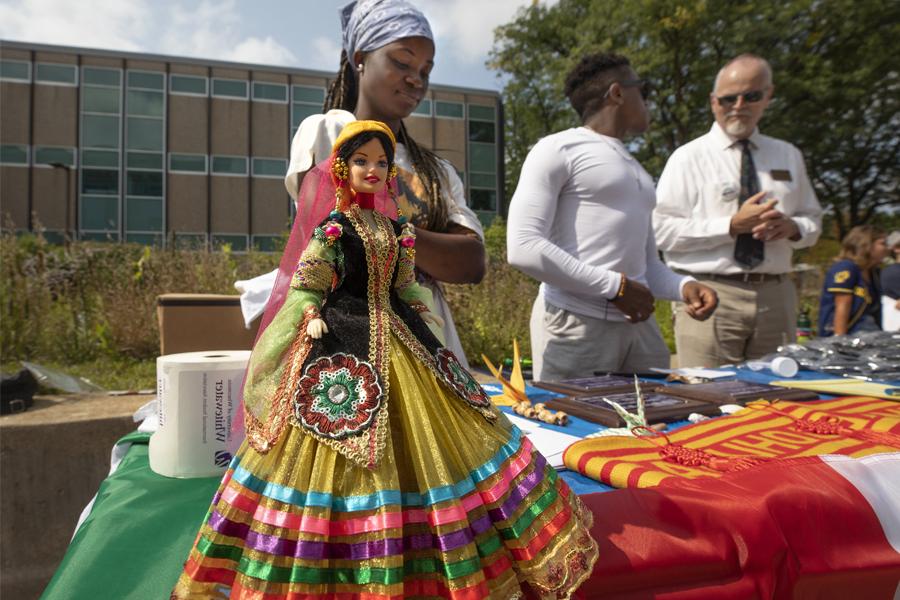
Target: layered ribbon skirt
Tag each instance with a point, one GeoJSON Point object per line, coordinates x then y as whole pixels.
{"type": "Point", "coordinates": [456, 508]}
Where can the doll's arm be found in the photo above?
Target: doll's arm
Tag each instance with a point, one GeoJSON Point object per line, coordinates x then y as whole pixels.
{"type": "Point", "coordinates": [418, 297]}
{"type": "Point", "coordinates": [312, 280]}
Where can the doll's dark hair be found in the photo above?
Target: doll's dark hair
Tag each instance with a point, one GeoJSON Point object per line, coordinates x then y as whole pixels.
{"type": "Point", "coordinates": [343, 94]}
{"type": "Point", "coordinates": [358, 141]}
{"type": "Point", "coordinates": [588, 82]}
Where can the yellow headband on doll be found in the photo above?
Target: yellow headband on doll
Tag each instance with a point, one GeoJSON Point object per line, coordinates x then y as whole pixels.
{"type": "Point", "coordinates": [354, 128]}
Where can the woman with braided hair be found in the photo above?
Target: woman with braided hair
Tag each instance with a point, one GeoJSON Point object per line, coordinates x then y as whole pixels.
{"type": "Point", "coordinates": [387, 56]}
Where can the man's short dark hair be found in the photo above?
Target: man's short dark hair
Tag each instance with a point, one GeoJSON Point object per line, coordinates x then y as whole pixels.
{"type": "Point", "coordinates": [587, 83]}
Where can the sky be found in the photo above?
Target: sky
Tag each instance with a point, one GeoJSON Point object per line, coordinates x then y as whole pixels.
{"type": "Point", "coordinates": [298, 33]}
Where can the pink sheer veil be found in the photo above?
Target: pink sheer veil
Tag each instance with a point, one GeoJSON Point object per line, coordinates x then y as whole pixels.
{"type": "Point", "coordinates": [314, 202]}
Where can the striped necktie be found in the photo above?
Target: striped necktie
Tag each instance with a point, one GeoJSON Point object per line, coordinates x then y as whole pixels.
{"type": "Point", "coordinates": [748, 252]}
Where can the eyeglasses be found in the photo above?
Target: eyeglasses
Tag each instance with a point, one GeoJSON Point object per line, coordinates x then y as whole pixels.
{"type": "Point", "coordinates": [643, 84]}
{"type": "Point", "coordinates": [749, 98]}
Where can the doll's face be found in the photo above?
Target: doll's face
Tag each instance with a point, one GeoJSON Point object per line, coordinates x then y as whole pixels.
{"type": "Point", "coordinates": [368, 167]}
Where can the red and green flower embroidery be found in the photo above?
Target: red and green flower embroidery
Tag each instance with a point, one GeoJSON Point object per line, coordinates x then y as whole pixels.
{"type": "Point", "coordinates": [338, 396]}
{"type": "Point", "coordinates": [460, 379]}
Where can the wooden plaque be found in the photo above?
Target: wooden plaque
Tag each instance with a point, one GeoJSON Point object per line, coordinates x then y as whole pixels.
{"type": "Point", "coordinates": [657, 407]}
{"type": "Point", "coordinates": [737, 392]}
{"type": "Point", "coordinates": [598, 384]}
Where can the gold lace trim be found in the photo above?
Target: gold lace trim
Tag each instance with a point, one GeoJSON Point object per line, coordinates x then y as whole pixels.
{"type": "Point", "coordinates": [313, 273]}
{"type": "Point", "coordinates": [262, 436]}
{"type": "Point", "coordinates": [559, 577]}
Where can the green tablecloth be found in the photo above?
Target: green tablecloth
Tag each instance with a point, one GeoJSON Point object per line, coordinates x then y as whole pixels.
{"type": "Point", "coordinates": [137, 513]}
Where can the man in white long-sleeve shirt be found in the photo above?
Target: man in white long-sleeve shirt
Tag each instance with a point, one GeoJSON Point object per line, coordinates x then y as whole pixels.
{"type": "Point", "coordinates": [733, 205]}
{"type": "Point", "coordinates": [579, 222]}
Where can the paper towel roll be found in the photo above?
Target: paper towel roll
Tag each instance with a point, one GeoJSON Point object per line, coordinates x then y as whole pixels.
{"type": "Point", "coordinates": [198, 393]}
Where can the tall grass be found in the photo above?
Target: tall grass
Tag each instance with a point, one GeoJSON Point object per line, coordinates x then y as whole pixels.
{"type": "Point", "coordinates": [83, 301]}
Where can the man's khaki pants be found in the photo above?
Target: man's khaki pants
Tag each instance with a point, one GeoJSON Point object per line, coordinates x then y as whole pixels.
{"type": "Point", "coordinates": [752, 320]}
{"type": "Point", "coordinates": [565, 345]}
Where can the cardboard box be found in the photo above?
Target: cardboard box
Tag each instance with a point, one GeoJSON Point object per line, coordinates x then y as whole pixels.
{"type": "Point", "coordinates": [201, 322]}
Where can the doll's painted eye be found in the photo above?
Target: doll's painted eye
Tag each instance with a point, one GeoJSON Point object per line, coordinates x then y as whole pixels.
{"type": "Point", "coordinates": [382, 164]}
{"type": "Point", "coordinates": [359, 162]}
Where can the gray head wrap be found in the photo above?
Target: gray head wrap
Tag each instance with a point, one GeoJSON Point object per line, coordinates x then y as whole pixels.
{"type": "Point", "coordinates": [370, 24]}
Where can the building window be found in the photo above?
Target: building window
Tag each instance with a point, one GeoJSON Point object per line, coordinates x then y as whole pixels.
{"type": "Point", "coordinates": [143, 215]}
{"type": "Point", "coordinates": [483, 200]}
{"type": "Point", "coordinates": [100, 181]}
{"type": "Point", "coordinates": [229, 88]}
{"type": "Point", "coordinates": [100, 158]}
{"type": "Point", "coordinates": [14, 154]}
{"type": "Point", "coordinates": [482, 167]}
{"type": "Point", "coordinates": [423, 109]}
{"type": "Point", "coordinates": [100, 131]}
{"type": "Point", "coordinates": [151, 161]}
{"type": "Point", "coordinates": [448, 110]}
{"type": "Point", "coordinates": [188, 85]}
{"type": "Point", "coordinates": [101, 76]}
{"type": "Point", "coordinates": [45, 155]}
{"type": "Point", "coordinates": [236, 241]}
{"type": "Point", "coordinates": [54, 74]}
{"type": "Point", "coordinates": [270, 92]}
{"type": "Point", "coordinates": [15, 70]}
{"type": "Point", "coordinates": [269, 167]}
{"type": "Point", "coordinates": [482, 112]}
{"type": "Point", "coordinates": [306, 101]}
{"type": "Point", "coordinates": [145, 134]}
{"type": "Point", "coordinates": [99, 213]}
{"type": "Point", "coordinates": [188, 163]}
{"type": "Point", "coordinates": [101, 140]}
{"type": "Point", "coordinates": [145, 183]}
{"type": "Point", "coordinates": [100, 100]}
{"type": "Point", "coordinates": [146, 80]}
{"type": "Point", "coordinates": [145, 103]}
{"type": "Point", "coordinates": [268, 243]}
{"type": "Point", "coordinates": [229, 165]}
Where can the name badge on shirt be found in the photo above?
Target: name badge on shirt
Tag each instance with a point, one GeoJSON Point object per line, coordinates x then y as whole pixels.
{"type": "Point", "coordinates": [730, 191]}
{"type": "Point", "coordinates": [781, 175]}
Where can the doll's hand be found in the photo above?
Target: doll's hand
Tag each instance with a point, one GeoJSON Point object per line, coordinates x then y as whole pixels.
{"type": "Point", "coordinates": [316, 329]}
{"type": "Point", "coordinates": [431, 318]}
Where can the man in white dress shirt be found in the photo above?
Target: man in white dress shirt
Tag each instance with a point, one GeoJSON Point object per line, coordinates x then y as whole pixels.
{"type": "Point", "coordinates": [732, 205]}
{"type": "Point", "coordinates": [580, 222]}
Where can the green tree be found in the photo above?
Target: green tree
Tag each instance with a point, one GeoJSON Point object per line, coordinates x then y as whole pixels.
{"type": "Point", "coordinates": [836, 77]}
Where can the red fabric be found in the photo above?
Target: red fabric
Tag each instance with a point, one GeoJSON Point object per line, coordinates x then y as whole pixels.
{"type": "Point", "coordinates": [796, 529]}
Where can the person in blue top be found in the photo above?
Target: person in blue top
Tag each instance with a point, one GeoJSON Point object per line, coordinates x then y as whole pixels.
{"type": "Point", "coordinates": [851, 299]}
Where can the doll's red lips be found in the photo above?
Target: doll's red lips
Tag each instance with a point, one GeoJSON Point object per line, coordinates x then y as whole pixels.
{"type": "Point", "coordinates": [372, 179]}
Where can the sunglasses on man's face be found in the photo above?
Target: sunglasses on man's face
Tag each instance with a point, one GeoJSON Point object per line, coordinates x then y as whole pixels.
{"type": "Point", "coordinates": [643, 84]}
{"type": "Point", "coordinates": [749, 98]}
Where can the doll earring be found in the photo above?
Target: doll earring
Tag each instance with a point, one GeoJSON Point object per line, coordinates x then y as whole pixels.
{"type": "Point", "coordinates": [392, 173]}
{"type": "Point", "coordinates": [339, 168]}
{"type": "Point", "coordinates": [359, 67]}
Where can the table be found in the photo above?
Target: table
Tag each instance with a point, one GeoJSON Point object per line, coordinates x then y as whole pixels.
{"type": "Point", "coordinates": [133, 543]}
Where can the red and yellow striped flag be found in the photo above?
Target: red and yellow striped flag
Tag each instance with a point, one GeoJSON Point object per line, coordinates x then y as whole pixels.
{"type": "Point", "coordinates": [758, 432]}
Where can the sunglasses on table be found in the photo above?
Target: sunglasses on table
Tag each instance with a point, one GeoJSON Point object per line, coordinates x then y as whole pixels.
{"type": "Point", "coordinates": [749, 98]}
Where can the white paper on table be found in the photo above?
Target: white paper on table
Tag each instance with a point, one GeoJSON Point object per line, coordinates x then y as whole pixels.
{"type": "Point", "coordinates": [696, 372]}
{"type": "Point", "coordinates": [522, 423]}
{"type": "Point", "coordinates": [551, 444]}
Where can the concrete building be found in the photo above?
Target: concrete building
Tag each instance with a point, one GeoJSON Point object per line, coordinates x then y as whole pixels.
{"type": "Point", "coordinates": [104, 145]}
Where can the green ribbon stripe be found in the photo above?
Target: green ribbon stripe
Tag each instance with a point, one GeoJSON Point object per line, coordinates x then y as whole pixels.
{"type": "Point", "coordinates": [361, 576]}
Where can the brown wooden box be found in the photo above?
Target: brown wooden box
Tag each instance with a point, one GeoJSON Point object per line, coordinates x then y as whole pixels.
{"type": "Point", "coordinates": [201, 322]}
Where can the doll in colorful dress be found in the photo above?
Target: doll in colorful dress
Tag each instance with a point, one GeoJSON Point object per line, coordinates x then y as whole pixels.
{"type": "Point", "coordinates": [374, 465]}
